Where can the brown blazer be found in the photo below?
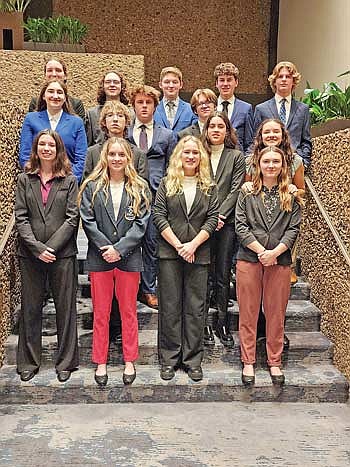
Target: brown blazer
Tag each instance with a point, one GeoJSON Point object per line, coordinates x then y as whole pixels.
{"type": "Point", "coordinates": [54, 226]}
{"type": "Point", "coordinates": [251, 224]}
{"type": "Point", "coordinates": [171, 211]}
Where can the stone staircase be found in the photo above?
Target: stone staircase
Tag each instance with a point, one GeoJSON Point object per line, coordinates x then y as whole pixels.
{"type": "Point", "coordinates": [310, 374]}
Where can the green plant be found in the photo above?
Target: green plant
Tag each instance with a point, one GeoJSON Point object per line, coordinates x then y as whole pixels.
{"type": "Point", "coordinates": [62, 29]}
{"type": "Point", "coordinates": [13, 5]}
{"type": "Point", "coordinates": [328, 103]}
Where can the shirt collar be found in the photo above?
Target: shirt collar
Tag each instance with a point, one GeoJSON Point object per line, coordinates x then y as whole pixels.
{"type": "Point", "coordinates": [231, 100]}
{"type": "Point", "coordinates": [279, 98]}
{"type": "Point", "coordinates": [176, 101]}
{"type": "Point", "coordinates": [55, 118]}
{"type": "Point", "coordinates": [148, 125]}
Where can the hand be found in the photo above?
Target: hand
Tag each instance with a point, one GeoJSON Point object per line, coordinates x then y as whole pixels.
{"type": "Point", "coordinates": [47, 256]}
{"type": "Point", "coordinates": [110, 254]}
{"type": "Point", "coordinates": [292, 189]}
{"type": "Point", "coordinates": [247, 187]}
{"type": "Point", "coordinates": [221, 222]}
{"type": "Point", "coordinates": [268, 258]}
{"type": "Point", "coordinates": [187, 251]}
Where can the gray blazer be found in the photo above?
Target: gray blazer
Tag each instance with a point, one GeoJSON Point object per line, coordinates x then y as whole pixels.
{"type": "Point", "coordinates": [192, 130]}
{"type": "Point", "coordinates": [54, 226]}
{"type": "Point", "coordinates": [171, 211]}
{"type": "Point", "coordinates": [251, 224]}
{"type": "Point", "coordinates": [93, 156]}
{"type": "Point", "coordinates": [102, 228]}
{"type": "Point", "coordinates": [229, 178]}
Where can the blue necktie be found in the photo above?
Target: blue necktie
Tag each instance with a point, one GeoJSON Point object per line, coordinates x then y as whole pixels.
{"type": "Point", "coordinates": [283, 113]}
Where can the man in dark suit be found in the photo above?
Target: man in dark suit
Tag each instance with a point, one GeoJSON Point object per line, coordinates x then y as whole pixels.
{"type": "Point", "coordinates": [172, 112]}
{"type": "Point", "coordinates": [158, 143]}
{"type": "Point", "coordinates": [293, 114]}
{"type": "Point", "coordinates": [240, 113]}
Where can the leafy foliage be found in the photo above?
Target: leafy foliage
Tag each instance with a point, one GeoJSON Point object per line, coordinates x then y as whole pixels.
{"type": "Point", "coordinates": [13, 5]}
{"type": "Point", "coordinates": [62, 29]}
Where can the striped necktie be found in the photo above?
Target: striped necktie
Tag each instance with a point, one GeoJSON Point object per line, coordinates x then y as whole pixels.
{"type": "Point", "coordinates": [283, 112]}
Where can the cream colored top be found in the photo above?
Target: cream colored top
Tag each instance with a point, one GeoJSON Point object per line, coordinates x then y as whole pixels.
{"type": "Point", "coordinates": [117, 193]}
{"type": "Point", "coordinates": [189, 187]}
{"type": "Point", "coordinates": [216, 151]}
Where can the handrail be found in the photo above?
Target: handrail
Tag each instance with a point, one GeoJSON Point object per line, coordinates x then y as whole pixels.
{"type": "Point", "coordinates": [7, 233]}
{"type": "Point", "coordinates": [326, 217]}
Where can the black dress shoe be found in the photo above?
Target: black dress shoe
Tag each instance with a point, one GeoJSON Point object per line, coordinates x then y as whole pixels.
{"type": "Point", "coordinates": [27, 375]}
{"type": "Point", "coordinates": [248, 380]}
{"type": "Point", "coordinates": [196, 374]}
{"type": "Point", "coordinates": [225, 337]}
{"type": "Point", "coordinates": [285, 342]}
{"type": "Point", "coordinates": [208, 338]}
{"type": "Point", "coordinates": [129, 379]}
{"type": "Point", "coordinates": [277, 380]}
{"type": "Point", "coordinates": [63, 375]}
{"type": "Point", "coordinates": [230, 303]}
{"type": "Point", "coordinates": [167, 373]}
{"type": "Point", "coordinates": [101, 380]}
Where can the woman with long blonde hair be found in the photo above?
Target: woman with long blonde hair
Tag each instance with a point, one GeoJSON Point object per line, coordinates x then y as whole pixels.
{"type": "Point", "coordinates": [267, 225]}
{"type": "Point", "coordinates": [185, 214]}
{"type": "Point", "coordinates": [115, 208]}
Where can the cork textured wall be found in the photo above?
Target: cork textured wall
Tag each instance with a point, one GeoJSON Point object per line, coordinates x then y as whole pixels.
{"type": "Point", "coordinates": [322, 261]}
{"type": "Point", "coordinates": [194, 36]}
{"type": "Point", "coordinates": [24, 73]}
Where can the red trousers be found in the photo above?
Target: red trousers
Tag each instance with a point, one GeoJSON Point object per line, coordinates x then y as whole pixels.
{"type": "Point", "coordinates": [271, 286]}
{"type": "Point", "coordinates": [126, 285]}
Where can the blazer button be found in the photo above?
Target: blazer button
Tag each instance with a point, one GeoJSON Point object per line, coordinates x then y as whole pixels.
{"type": "Point", "coordinates": [114, 233]}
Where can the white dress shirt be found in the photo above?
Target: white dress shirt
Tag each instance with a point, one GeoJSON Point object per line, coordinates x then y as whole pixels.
{"type": "Point", "coordinates": [288, 103]}
{"type": "Point", "coordinates": [137, 130]}
{"type": "Point", "coordinates": [230, 107]}
{"type": "Point", "coordinates": [54, 119]}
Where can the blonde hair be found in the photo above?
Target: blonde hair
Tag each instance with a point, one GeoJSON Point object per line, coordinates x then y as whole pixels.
{"type": "Point", "coordinates": [292, 70]}
{"type": "Point", "coordinates": [135, 186]}
{"type": "Point", "coordinates": [171, 69]}
{"type": "Point", "coordinates": [282, 180]}
{"type": "Point", "coordinates": [114, 107]}
{"type": "Point", "coordinates": [207, 93]}
{"type": "Point", "coordinates": [175, 174]}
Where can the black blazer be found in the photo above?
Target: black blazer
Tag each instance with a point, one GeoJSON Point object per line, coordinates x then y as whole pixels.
{"type": "Point", "coordinates": [251, 224]}
{"type": "Point", "coordinates": [229, 178]}
{"type": "Point", "coordinates": [102, 228]}
{"type": "Point", "coordinates": [192, 130]}
{"type": "Point", "coordinates": [54, 226]}
{"type": "Point", "coordinates": [171, 211]}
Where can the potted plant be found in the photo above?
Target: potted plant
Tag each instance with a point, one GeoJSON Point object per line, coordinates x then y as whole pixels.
{"type": "Point", "coordinates": [11, 28]}
{"type": "Point", "coordinates": [329, 107]}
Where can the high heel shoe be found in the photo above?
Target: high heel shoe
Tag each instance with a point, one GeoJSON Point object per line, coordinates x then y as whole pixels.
{"type": "Point", "coordinates": [247, 380]}
{"type": "Point", "coordinates": [277, 380]}
{"type": "Point", "coordinates": [101, 380]}
{"type": "Point", "coordinates": [129, 379]}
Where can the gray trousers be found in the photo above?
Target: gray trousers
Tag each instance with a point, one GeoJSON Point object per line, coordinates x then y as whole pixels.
{"type": "Point", "coordinates": [182, 289]}
{"type": "Point", "coordinates": [63, 278]}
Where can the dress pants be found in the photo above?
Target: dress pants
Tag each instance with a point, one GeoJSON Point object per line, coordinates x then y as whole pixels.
{"type": "Point", "coordinates": [182, 289]}
{"type": "Point", "coordinates": [125, 285]}
{"type": "Point", "coordinates": [149, 258]}
{"type": "Point", "coordinates": [221, 252]}
{"type": "Point", "coordinates": [271, 286]}
{"type": "Point", "coordinates": [62, 275]}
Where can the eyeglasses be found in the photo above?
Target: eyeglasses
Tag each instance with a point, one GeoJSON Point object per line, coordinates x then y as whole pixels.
{"type": "Point", "coordinates": [204, 104]}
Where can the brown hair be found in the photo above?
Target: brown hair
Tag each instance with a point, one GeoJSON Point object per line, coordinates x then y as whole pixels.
{"type": "Point", "coordinates": [124, 94]}
{"type": "Point", "coordinates": [148, 91]}
{"type": "Point", "coordinates": [231, 139]}
{"type": "Point", "coordinates": [60, 61]}
{"type": "Point", "coordinates": [114, 107]}
{"type": "Point", "coordinates": [171, 69]}
{"type": "Point", "coordinates": [208, 93]}
{"type": "Point", "coordinates": [226, 69]}
{"type": "Point", "coordinates": [41, 105]}
{"type": "Point", "coordinates": [291, 68]}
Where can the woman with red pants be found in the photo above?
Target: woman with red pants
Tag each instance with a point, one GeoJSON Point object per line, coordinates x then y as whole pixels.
{"type": "Point", "coordinates": [267, 225]}
{"type": "Point", "coordinates": [115, 209]}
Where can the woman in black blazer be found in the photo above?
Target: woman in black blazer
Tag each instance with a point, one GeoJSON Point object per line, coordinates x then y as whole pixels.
{"type": "Point", "coordinates": [185, 214]}
{"type": "Point", "coordinates": [47, 218]}
{"type": "Point", "coordinates": [228, 171]}
{"type": "Point", "coordinates": [115, 208]}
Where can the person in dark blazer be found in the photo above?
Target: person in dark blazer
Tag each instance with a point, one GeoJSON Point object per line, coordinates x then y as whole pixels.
{"type": "Point", "coordinates": [228, 170]}
{"type": "Point", "coordinates": [294, 115]}
{"type": "Point", "coordinates": [267, 224]}
{"type": "Point", "coordinates": [186, 215]}
{"type": "Point", "coordinates": [172, 112]}
{"type": "Point", "coordinates": [111, 87]}
{"type": "Point", "coordinates": [203, 103]}
{"type": "Point", "coordinates": [158, 143]}
{"type": "Point", "coordinates": [240, 113]}
{"type": "Point", "coordinates": [55, 68]}
{"type": "Point", "coordinates": [47, 220]}
{"type": "Point", "coordinates": [54, 112]}
{"type": "Point", "coordinates": [115, 208]}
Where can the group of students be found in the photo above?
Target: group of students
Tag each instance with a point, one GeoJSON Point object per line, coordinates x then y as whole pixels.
{"type": "Point", "coordinates": [171, 195]}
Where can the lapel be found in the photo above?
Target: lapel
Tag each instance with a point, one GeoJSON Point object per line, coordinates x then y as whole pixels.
{"type": "Point", "coordinates": [131, 135]}
{"type": "Point", "coordinates": [178, 112]}
{"type": "Point", "coordinates": [261, 209]}
{"type": "Point", "coordinates": [293, 111]}
{"type": "Point", "coordinates": [182, 201]}
{"type": "Point", "coordinates": [196, 201]}
{"type": "Point", "coordinates": [35, 185]}
{"type": "Point", "coordinates": [108, 206]}
{"type": "Point", "coordinates": [235, 111]}
{"type": "Point", "coordinates": [123, 206]}
{"type": "Point", "coordinates": [43, 115]}
{"type": "Point", "coordinates": [54, 188]}
{"type": "Point", "coordinates": [156, 131]}
{"type": "Point", "coordinates": [222, 163]}
{"type": "Point", "coordinates": [273, 108]}
{"type": "Point", "coordinates": [64, 121]}
{"type": "Point", "coordinates": [163, 114]}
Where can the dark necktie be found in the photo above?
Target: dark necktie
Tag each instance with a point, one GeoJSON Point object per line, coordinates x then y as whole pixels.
{"type": "Point", "coordinates": [283, 112]}
{"type": "Point", "coordinates": [225, 105]}
{"type": "Point", "coordinates": [171, 112]}
{"type": "Point", "coordinates": [143, 141]}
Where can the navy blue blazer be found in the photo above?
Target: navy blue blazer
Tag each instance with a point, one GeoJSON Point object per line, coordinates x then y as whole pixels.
{"type": "Point", "coordinates": [70, 128]}
{"type": "Point", "coordinates": [298, 125]}
{"type": "Point", "coordinates": [102, 228]}
{"type": "Point", "coordinates": [242, 121]}
{"type": "Point", "coordinates": [159, 153]}
{"type": "Point", "coordinates": [184, 116]}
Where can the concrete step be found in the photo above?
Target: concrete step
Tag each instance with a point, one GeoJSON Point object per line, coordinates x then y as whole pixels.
{"type": "Point", "coordinates": [314, 383]}
{"type": "Point", "coordinates": [305, 347]}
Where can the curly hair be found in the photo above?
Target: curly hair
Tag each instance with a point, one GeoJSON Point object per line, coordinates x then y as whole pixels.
{"type": "Point", "coordinates": [135, 186]}
{"type": "Point", "coordinates": [231, 139]}
{"type": "Point", "coordinates": [61, 166]}
{"type": "Point", "coordinates": [291, 68]}
{"type": "Point", "coordinates": [148, 91]}
{"type": "Point", "coordinates": [228, 69]}
{"type": "Point", "coordinates": [175, 174]}
{"type": "Point", "coordinates": [124, 93]}
{"type": "Point", "coordinates": [114, 107]}
{"type": "Point", "coordinates": [41, 105]}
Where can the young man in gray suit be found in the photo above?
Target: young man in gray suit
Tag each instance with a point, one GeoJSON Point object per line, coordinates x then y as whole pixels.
{"type": "Point", "coordinates": [293, 114]}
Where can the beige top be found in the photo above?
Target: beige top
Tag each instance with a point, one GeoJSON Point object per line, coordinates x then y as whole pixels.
{"type": "Point", "coordinates": [189, 187]}
{"type": "Point", "coordinates": [216, 151]}
{"type": "Point", "coordinates": [116, 193]}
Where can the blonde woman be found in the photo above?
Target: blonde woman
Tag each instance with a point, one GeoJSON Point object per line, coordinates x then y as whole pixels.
{"type": "Point", "coordinates": [115, 209]}
{"type": "Point", "coordinates": [267, 225]}
{"type": "Point", "coordinates": [185, 214]}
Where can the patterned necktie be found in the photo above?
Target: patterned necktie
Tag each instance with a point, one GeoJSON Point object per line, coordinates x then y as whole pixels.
{"type": "Point", "coordinates": [171, 112]}
{"type": "Point", "coordinates": [225, 105]}
{"type": "Point", "coordinates": [283, 113]}
{"type": "Point", "coordinates": [143, 141]}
